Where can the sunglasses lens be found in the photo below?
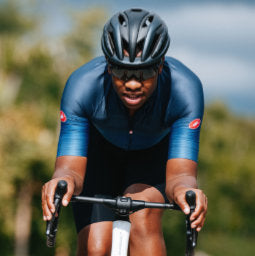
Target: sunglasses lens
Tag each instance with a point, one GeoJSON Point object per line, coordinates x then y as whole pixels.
{"type": "Point", "coordinates": [134, 73]}
{"type": "Point", "coordinates": [149, 73]}
{"type": "Point", "coordinates": [118, 72]}
{"type": "Point", "coordinates": [140, 74]}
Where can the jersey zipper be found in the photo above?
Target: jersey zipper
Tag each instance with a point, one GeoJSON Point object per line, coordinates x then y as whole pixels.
{"type": "Point", "coordinates": [130, 131]}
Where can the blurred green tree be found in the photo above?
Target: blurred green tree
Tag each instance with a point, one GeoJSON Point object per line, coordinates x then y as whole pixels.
{"type": "Point", "coordinates": [226, 174]}
{"type": "Point", "coordinates": [33, 76]}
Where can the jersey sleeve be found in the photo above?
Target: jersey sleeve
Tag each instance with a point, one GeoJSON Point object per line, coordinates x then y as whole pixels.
{"type": "Point", "coordinates": [74, 131]}
{"type": "Point", "coordinates": [79, 100]}
{"type": "Point", "coordinates": [74, 135]}
{"type": "Point", "coordinates": [184, 139]}
{"type": "Point", "coordinates": [188, 103]}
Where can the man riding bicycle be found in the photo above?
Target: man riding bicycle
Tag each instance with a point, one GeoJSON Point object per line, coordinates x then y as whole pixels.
{"type": "Point", "coordinates": [131, 121]}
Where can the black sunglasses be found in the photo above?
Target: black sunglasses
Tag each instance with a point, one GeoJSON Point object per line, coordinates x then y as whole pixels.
{"type": "Point", "coordinates": [140, 74]}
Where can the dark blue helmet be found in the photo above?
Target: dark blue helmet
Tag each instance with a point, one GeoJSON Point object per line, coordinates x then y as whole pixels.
{"type": "Point", "coordinates": [135, 30]}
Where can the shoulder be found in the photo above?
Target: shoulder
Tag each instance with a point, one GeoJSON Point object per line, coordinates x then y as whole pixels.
{"type": "Point", "coordinates": [91, 70]}
{"type": "Point", "coordinates": [186, 89]}
{"type": "Point", "coordinates": [84, 85]}
{"type": "Point", "coordinates": [181, 74]}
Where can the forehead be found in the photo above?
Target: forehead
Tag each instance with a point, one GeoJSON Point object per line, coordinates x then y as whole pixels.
{"type": "Point", "coordinates": [126, 53]}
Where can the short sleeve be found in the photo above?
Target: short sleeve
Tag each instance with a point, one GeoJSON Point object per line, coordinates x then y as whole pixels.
{"type": "Point", "coordinates": [80, 99]}
{"type": "Point", "coordinates": [185, 112]}
{"type": "Point", "coordinates": [184, 139]}
{"type": "Point", "coordinates": [74, 136]}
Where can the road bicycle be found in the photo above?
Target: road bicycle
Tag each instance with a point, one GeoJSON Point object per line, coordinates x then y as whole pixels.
{"type": "Point", "coordinates": [123, 207]}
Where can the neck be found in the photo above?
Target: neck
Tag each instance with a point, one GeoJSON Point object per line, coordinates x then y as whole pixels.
{"type": "Point", "coordinates": [131, 112]}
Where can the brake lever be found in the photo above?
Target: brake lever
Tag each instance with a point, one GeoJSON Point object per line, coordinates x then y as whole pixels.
{"type": "Point", "coordinates": [191, 232]}
{"type": "Point", "coordinates": [51, 226]}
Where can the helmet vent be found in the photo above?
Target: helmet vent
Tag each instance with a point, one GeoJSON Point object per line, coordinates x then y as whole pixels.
{"type": "Point", "coordinates": [136, 10]}
{"type": "Point", "coordinates": [122, 21]}
{"type": "Point", "coordinates": [110, 35]}
{"type": "Point", "coordinates": [148, 21]}
{"type": "Point", "coordinates": [125, 45]}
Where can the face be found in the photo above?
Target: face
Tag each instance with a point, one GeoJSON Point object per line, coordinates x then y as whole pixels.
{"type": "Point", "coordinates": [134, 93]}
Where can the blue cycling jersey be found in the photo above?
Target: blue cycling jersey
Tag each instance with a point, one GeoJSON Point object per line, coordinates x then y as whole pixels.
{"type": "Point", "coordinates": [175, 107]}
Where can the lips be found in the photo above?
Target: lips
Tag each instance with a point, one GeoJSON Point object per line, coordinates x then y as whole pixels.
{"type": "Point", "coordinates": [132, 99]}
{"type": "Point", "coordinates": [132, 96]}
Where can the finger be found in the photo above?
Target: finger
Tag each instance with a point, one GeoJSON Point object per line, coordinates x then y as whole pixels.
{"type": "Point", "coordinates": [42, 201]}
{"type": "Point", "coordinates": [199, 215]}
{"type": "Point", "coordinates": [200, 207]}
{"type": "Point", "coordinates": [199, 221]}
{"type": "Point", "coordinates": [205, 208]}
{"type": "Point", "coordinates": [50, 191]}
{"type": "Point", "coordinates": [181, 201]}
{"type": "Point", "coordinates": [44, 205]}
{"type": "Point", "coordinates": [46, 210]}
{"type": "Point", "coordinates": [46, 213]}
{"type": "Point", "coordinates": [67, 197]}
{"type": "Point", "coordinates": [203, 219]}
{"type": "Point", "coordinates": [200, 227]}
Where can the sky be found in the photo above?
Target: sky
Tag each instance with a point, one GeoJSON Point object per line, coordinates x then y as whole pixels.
{"type": "Point", "coordinates": [215, 39]}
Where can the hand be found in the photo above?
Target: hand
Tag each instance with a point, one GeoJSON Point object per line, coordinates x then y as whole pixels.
{"type": "Point", "coordinates": [198, 216]}
{"type": "Point", "coordinates": [48, 191]}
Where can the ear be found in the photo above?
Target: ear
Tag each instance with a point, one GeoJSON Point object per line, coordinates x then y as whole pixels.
{"type": "Point", "coordinates": [161, 65]}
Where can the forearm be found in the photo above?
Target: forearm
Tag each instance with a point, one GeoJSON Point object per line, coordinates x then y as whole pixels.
{"type": "Point", "coordinates": [182, 181]}
{"type": "Point", "coordinates": [180, 173]}
{"type": "Point", "coordinates": [181, 176]}
{"type": "Point", "coordinates": [67, 173]}
{"type": "Point", "coordinates": [72, 167]}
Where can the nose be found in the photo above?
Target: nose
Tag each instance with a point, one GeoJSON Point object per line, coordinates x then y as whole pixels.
{"type": "Point", "coordinates": [133, 85]}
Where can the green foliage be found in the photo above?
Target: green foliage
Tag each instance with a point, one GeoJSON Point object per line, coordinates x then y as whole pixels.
{"type": "Point", "coordinates": [40, 84]}
{"type": "Point", "coordinates": [32, 79]}
{"type": "Point", "coordinates": [84, 40]}
{"type": "Point", "coordinates": [226, 174]}
{"type": "Point", "coordinates": [12, 22]}
{"type": "Point", "coordinates": [174, 232]}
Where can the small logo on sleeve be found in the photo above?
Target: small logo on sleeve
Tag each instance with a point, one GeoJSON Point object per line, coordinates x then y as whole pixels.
{"type": "Point", "coordinates": [62, 116]}
{"type": "Point", "coordinates": [195, 123]}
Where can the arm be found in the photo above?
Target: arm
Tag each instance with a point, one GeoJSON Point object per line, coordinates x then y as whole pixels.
{"type": "Point", "coordinates": [79, 97]}
{"type": "Point", "coordinates": [72, 149]}
{"type": "Point", "coordinates": [73, 166]}
{"type": "Point", "coordinates": [72, 169]}
{"type": "Point", "coordinates": [187, 107]}
{"type": "Point", "coordinates": [181, 171]}
{"type": "Point", "coordinates": [181, 176]}
{"type": "Point", "coordinates": [70, 163]}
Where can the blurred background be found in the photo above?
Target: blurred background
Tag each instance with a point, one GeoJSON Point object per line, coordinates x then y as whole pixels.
{"type": "Point", "coordinates": [42, 42]}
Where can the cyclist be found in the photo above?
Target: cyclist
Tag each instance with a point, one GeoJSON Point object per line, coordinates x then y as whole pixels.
{"type": "Point", "coordinates": [131, 121]}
